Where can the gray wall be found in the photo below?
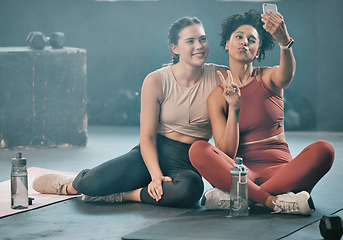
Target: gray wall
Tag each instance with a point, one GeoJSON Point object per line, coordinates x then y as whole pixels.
{"type": "Point", "coordinates": [329, 53]}
{"type": "Point", "coordinates": [127, 40]}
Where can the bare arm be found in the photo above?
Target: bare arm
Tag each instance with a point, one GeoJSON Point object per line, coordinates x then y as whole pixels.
{"type": "Point", "coordinates": [281, 76]}
{"type": "Point", "coordinates": [225, 129]}
{"type": "Point", "coordinates": [150, 109]}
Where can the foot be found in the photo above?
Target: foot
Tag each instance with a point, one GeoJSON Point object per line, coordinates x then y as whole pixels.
{"type": "Point", "coordinates": [216, 199]}
{"type": "Point", "coordinates": [115, 197]}
{"type": "Point", "coordinates": [291, 203]}
{"type": "Point", "coordinates": [52, 183]}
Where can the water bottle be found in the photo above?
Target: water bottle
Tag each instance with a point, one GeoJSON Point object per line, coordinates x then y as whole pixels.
{"type": "Point", "coordinates": [19, 191]}
{"type": "Point", "coordinates": [239, 205]}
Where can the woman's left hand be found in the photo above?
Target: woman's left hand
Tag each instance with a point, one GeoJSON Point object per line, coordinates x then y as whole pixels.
{"type": "Point", "coordinates": [275, 25]}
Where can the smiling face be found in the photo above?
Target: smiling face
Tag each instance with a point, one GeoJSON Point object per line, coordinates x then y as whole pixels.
{"type": "Point", "coordinates": [243, 44]}
{"type": "Point", "coordinates": [192, 46]}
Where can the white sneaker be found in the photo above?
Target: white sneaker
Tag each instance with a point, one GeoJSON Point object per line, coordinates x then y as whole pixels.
{"type": "Point", "coordinates": [52, 183]}
{"type": "Point", "coordinates": [291, 203]}
{"type": "Point", "coordinates": [216, 199]}
{"type": "Point", "coordinates": [115, 197]}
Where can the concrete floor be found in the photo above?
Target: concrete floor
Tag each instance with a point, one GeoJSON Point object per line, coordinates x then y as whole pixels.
{"type": "Point", "coordinates": [73, 219]}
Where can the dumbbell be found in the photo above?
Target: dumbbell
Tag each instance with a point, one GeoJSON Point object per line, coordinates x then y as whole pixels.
{"type": "Point", "coordinates": [331, 227]}
{"type": "Point", "coordinates": [37, 40]}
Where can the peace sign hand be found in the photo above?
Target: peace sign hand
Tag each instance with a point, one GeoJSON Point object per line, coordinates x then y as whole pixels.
{"type": "Point", "coordinates": [231, 92]}
{"type": "Point", "coordinates": [275, 25]}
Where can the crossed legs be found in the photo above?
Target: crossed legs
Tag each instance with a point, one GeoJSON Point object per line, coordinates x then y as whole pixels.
{"type": "Point", "coordinates": [300, 173]}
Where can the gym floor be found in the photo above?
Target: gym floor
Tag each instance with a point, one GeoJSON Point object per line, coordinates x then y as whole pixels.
{"type": "Point", "coordinates": [74, 219]}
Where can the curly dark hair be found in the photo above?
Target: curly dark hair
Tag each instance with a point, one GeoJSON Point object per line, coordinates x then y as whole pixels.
{"type": "Point", "coordinates": [252, 18]}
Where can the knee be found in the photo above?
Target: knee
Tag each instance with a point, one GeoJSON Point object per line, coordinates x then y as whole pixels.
{"type": "Point", "coordinates": [197, 152]}
{"type": "Point", "coordinates": [85, 183]}
{"type": "Point", "coordinates": [189, 189]}
{"type": "Point", "coordinates": [326, 151]}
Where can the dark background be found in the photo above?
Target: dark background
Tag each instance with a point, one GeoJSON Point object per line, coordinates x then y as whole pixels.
{"type": "Point", "coordinates": [125, 40]}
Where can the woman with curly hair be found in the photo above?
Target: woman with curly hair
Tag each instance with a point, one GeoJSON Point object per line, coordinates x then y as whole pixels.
{"type": "Point", "coordinates": [246, 113]}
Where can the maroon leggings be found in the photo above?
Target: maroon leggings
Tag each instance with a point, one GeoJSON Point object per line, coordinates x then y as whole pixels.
{"type": "Point", "coordinates": [272, 170]}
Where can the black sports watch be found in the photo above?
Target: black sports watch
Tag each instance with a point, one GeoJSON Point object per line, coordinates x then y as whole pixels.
{"type": "Point", "coordinates": [288, 45]}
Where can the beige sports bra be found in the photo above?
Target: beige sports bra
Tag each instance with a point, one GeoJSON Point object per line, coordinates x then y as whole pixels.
{"type": "Point", "coordinates": [184, 110]}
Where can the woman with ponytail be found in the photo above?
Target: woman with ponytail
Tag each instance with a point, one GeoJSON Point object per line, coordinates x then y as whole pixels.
{"type": "Point", "coordinates": [173, 116]}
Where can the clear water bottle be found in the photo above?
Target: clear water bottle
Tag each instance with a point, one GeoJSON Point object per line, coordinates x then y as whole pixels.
{"type": "Point", "coordinates": [19, 190]}
{"type": "Point", "coordinates": [239, 204]}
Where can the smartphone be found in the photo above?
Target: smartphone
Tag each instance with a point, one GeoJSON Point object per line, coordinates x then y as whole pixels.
{"type": "Point", "coordinates": [269, 6]}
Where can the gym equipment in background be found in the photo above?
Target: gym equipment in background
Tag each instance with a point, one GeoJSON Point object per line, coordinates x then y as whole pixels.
{"type": "Point", "coordinates": [37, 40]}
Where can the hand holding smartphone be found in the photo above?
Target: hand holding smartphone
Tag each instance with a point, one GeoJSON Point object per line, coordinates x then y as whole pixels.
{"type": "Point", "coordinates": [278, 33]}
{"type": "Point", "coordinates": [269, 6]}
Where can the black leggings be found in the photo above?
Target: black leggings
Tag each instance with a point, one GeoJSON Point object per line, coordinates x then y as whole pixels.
{"type": "Point", "coordinates": [129, 172]}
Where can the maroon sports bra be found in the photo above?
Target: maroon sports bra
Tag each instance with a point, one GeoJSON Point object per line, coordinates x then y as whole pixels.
{"type": "Point", "coordinates": [261, 113]}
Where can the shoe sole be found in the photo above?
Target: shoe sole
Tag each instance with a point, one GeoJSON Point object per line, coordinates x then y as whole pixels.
{"type": "Point", "coordinates": [311, 204]}
{"type": "Point", "coordinates": [203, 201]}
